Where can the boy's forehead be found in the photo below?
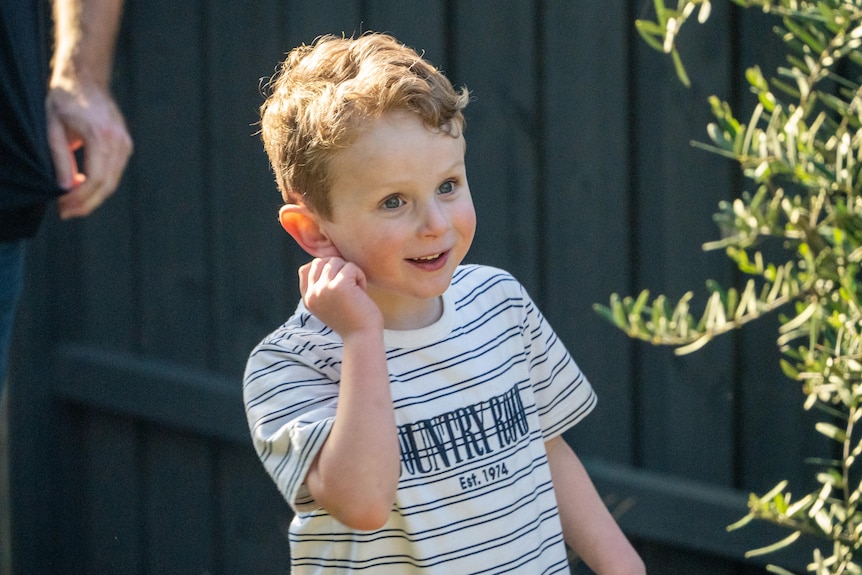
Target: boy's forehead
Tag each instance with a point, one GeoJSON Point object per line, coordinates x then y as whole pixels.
{"type": "Point", "coordinates": [400, 121]}
{"type": "Point", "coordinates": [398, 148]}
{"type": "Point", "coordinates": [390, 136]}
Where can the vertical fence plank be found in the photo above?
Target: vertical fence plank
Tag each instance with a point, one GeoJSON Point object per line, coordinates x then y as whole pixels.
{"type": "Point", "coordinates": [111, 521]}
{"type": "Point", "coordinates": [171, 199]}
{"type": "Point", "coordinates": [686, 404]}
{"type": "Point", "coordinates": [419, 24]}
{"type": "Point", "coordinates": [254, 273]}
{"type": "Point", "coordinates": [179, 512]}
{"type": "Point", "coordinates": [306, 21]}
{"type": "Point", "coordinates": [494, 57]}
{"type": "Point", "coordinates": [585, 196]}
{"type": "Point", "coordinates": [254, 517]}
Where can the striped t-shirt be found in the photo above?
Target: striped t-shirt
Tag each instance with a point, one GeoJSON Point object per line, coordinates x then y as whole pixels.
{"type": "Point", "coordinates": [476, 395]}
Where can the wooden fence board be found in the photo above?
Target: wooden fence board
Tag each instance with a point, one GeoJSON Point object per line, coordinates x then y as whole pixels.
{"type": "Point", "coordinates": [247, 245]}
{"type": "Point", "coordinates": [418, 23]}
{"type": "Point", "coordinates": [254, 523]}
{"type": "Point", "coordinates": [585, 220]}
{"type": "Point", "coordinates": [179, 513]}
{"type": "Point", "coordinates": [495, 59]}
{"type": "Point", "coordinates": [305, 21]}
{"type": "Point", "coordinates": [169, 108]}
{"type": "Point", "coordinates": [137, 322]}
{"type": "Point", "coordinates": [685, 404]}
{"type": "Point", "coordinates": [110, 522]}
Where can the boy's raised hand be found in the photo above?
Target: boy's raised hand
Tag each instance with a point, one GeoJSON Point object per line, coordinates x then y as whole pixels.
{"type": "Point", "coordinates": [355, 474]}
{"type": "Point", "coordinates": [335, 291]}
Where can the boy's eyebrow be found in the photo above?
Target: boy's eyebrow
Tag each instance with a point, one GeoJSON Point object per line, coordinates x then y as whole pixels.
{"type": "Point", "coordinates": [456, 164]}
{"type": "Point", "coordinates": [460, 162]}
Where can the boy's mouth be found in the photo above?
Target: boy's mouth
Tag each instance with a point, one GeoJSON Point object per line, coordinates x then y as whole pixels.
{"type": "Point", "coordinates": [430, 259]}
{"type": "Point", "coordinates": [427, 258]}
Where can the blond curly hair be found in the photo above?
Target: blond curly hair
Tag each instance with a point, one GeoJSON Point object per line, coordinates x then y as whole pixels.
{"type": "Point", "coordinates": [323, 95]}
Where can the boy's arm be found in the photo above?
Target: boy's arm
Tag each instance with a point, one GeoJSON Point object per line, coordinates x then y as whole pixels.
{"type": "Point", "coordinates": [355, 474]}
{"type": "Point", "coordinates": [588, 526]}
{"type": "Point", "coordinates": [80, 109]}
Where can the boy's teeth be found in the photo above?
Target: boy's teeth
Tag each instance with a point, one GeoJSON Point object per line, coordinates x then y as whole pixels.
{"type": "Point", "coordinates": [428, 258]}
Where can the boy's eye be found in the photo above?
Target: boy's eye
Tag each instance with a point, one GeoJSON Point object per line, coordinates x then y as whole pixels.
{"type": "Point", "coordinates": [446, 188]}
{"type": "Point", "coordinates": [392, 202]}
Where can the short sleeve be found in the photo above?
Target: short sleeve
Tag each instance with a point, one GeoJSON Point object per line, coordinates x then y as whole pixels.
{"type": "Point", "coordinates": [290, 405]}
{"type": "Point", "coordinates": [563, 394]}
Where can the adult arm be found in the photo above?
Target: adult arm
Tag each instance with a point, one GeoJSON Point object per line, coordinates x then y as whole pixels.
{"type": "Point", "coordinates": [588, 526]}
{"type": "Point", "coordinates": [81, 111]}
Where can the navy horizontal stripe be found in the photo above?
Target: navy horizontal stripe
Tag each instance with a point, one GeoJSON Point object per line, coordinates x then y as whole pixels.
{"type": "Point", "coordinates": [475, 404]}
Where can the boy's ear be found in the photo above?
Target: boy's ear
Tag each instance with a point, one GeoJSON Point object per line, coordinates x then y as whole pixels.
{"type": "Point", "coordinates": [304, 226]}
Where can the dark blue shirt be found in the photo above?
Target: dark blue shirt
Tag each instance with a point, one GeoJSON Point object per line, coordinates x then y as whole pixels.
{"type": "Point", "coordinates": [27, 181]}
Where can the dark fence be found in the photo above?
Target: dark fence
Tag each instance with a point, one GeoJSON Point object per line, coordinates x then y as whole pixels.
{"type": "Point", "coordinates": [130, 453]}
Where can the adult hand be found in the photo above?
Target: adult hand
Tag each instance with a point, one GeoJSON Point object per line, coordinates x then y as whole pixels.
{"type": "Point", "coordinates": [84, 115]}
{"type": "Point", "coordinates": [335, 291]}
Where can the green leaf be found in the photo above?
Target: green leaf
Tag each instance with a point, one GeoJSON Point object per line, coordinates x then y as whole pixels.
{"type": "Point", "coordinates": [788, 369]}
{"type": "Point", "coordinates": [694, 346]}
{"type": "Point", "coordinates": [649, 27]}
{"type": "Point", "coordinates": [659, 317]}
{"type": "Point", "coordinates": [778, 570]}
{"type": "Point", "coordinates": [775, 491]}
{"type": "Point", "coordinates": [680, 69]}
{"type": "Point", "coordinates": [784, 87]}
{"type": "Point", "coordinates": [639, 304]}
{"type": "Point", "coordinates": [775, 546]}
{"type": "Point", "coordinates": [719, 137]}
{"type": "Point", "coordinates": [767, 100]}
{"type": "Point", "coordinates": [741, 523]}
{"type": "Point", "coordinates": [661, 12]}
{"type": "Point", "coordinates": [780, 503]}
{"type": "Point", "coordinates": [644, 28]}
{"type": "Point", "coordinates": [732, 301]}
{"type": "Point", "coordinates": [807, 35]}
{"type": "Point", "coordinates": [604, 312]}
{"type": "Point", "coordinates": [617, 312]}
{"type": "Point", "coordinates": [838, 104]}
{"type": "Point", "coordinates": [756, 79]}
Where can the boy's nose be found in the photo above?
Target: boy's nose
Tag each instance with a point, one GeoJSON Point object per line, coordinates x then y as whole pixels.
{"type": "Point", "coordinates": [436, 218]}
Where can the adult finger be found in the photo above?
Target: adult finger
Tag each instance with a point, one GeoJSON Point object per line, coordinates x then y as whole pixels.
{"type": "Point", "coordinates": [106, 153]}
{"type": "Point", "coordinates": [61, 154]}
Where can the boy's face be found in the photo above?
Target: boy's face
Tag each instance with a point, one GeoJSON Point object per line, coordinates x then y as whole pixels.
{"type": "Point", "coordinates": [402, 212]}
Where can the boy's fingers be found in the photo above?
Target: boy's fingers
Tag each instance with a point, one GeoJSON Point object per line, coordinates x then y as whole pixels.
{"type": "Point", "coordinates": [348, 272]}
{"type": "Point", "coordinates": [327, 267]}
{"type": "Point", "coordinates": [303, 279]}
{"type": "Point", "coordinates": [322, 275]}
{"type": "Point", "coordinates": [360, 277]}
{"type": "Point", "coordinates": [315, 268]}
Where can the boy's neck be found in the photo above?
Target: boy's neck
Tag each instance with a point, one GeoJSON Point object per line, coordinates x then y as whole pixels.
{"type": "Point", "coordinates": [412, 315]}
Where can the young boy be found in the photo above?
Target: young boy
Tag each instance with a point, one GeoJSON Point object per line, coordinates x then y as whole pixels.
{"type": "Point", "coordinates": [411, 409]}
